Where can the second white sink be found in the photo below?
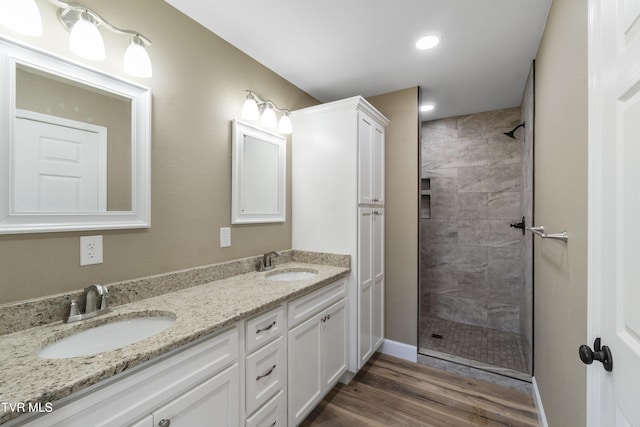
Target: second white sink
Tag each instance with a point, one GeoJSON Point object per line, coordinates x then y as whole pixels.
{"type": "Point", "coordinates": [106, 337]}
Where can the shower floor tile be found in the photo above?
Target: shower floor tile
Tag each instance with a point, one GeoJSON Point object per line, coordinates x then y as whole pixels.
{"type": "Point", "coordinates": [490, 346]}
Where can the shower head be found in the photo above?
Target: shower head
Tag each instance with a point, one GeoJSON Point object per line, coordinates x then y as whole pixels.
{"type": "Point", "coordinates": [511, 133]}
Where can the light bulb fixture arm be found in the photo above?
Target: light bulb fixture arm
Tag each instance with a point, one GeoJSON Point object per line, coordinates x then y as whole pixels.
{"type": "Point", "coordinates": [68, 14]}
{"type": "Point", "coordinates": [261, 103]}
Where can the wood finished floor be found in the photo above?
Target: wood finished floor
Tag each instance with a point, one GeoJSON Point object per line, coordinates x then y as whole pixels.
{"type": "Point", "coordinates": [393, 392]}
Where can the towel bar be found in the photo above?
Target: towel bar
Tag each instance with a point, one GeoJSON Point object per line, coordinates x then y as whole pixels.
{"type": "Point", "coordinates": [539, 231]}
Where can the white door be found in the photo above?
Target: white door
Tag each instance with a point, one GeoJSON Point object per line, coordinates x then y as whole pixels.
{"type": "Point", "coordinates": [377, 167]}
{"type": "Point", "coordinates": [614, 210]}
{"type": "Point", "coordinates": [365, 159]}
{"type": "Point", "coordinates": [60, 165]}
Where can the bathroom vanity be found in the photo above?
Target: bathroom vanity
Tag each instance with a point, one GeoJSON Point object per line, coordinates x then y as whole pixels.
{"type": "Point", "coordinates": [244, 350]}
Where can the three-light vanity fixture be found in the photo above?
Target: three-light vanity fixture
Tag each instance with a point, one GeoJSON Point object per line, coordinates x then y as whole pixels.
{"type": "Point", "coordinates": [23, 16]}
{"type": "Point", "coordinates": [255, 108]}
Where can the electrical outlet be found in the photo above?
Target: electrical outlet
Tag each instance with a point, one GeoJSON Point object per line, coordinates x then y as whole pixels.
{"type": "Point", "coordinates": [225, 237]}
{"type": "Point", "coordinates": [90, 250]}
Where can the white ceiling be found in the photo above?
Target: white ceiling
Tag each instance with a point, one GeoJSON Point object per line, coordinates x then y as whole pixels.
{"type": "Point", "coordinates": [334, 49]}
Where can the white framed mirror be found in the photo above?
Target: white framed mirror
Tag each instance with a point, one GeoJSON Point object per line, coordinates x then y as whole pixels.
{"type": "Point", "coordinates": [74, 146]}
{"type": "Point", "coordinates": [258, 192]}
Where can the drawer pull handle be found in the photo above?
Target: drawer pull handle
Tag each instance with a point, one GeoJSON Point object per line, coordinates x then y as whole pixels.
{"type": "Point", "coordinates": [266, 328]}
{"type": "Point", "coordinates": [164, 423]}
{"type": "Point", "coordinates": [266, 374]}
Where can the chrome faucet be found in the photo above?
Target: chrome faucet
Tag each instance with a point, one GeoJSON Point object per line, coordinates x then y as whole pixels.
{"type": "Point", "coordinates": [96, 302]}
{"type": "Point", "coordinates": [266, 264]}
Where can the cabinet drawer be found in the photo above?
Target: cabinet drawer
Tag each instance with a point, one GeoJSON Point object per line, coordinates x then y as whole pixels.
{"type": "Point", "coordinates": [264, 328]}
{"type": "Point", "coordinates": [306, 306]}
{"type": "Point", "coordinates": [265, 374]}
{"type": "Point", "coordinates": [271, 414]}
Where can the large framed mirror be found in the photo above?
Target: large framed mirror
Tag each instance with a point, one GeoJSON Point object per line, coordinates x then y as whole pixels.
{"type": "Point", "coordinates": [258, 175]}
{"type": "Point", "coordinates": [74, 146]}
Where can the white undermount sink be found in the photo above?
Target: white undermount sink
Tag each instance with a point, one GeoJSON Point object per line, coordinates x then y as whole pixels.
{"type": "Point", "coordinates": [290, 276]}
{"type": "Point", "coordinates": [106, 337]}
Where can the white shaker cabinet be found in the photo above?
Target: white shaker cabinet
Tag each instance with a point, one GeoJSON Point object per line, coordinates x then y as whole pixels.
{"type": "Point", "coordinates": [337, 177]}
{"type": "Point", "coordinates": [371, 281]}
{"type": "Point", "coordinates": [317, 348]}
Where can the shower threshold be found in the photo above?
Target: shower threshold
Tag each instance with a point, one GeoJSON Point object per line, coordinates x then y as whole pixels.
{"type": "Point", "coordinates": [490, 350]}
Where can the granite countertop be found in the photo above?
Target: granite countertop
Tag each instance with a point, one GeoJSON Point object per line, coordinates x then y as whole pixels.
{"type": "Point", "coordinates": [198, 311]}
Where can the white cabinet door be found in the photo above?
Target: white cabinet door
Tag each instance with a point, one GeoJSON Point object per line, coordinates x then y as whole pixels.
{"type": "Point", "coordinates": [304, 363]}
{"type": "Point", "coordinates": [377, 164]}
{"type": "Point", "coordinates": [334, 344]}
{"type": "Point", "coordinates": [377, 310]}
{"type": "Point", "coordinates": [365, 284]}
{"type": "Point", "coordinates": [215, 402]}
{"type": "Point", "coordinates": [145, 422]}
{"type": "Point", "coordinates": [370, 161]}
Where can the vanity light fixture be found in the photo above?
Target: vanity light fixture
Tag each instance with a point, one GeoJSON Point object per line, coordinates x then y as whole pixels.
{"type": "Point", "coordinates": [252, 106]}
{"type": "Point", "coordinates": [425, 108]}
{"type": "Point", "coordinates": [85, 40]}
{"type": "Point", "coordinates": [21, 16]}
{"type": "Point", "coordinates": [83, 24]}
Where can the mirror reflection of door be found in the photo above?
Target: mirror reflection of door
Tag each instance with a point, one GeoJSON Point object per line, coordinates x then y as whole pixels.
{"type": "Point", "coordinates": [60, 165]}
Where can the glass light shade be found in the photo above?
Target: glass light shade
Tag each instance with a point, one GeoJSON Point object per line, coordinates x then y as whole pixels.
{"type": "Point", "coordinates": [250, 108]}
{"type": "Point", "coordinates": [269, 118]}
{"type": "Point", "coordinates": [427, 107]}
{"type": "Point", "coordinates": [136, 59]}
{"type": "Point", "coordinates": [284, 125]}
{"type": "Point", "coordinates": [85, 39]}
{"type": "Point", "coordinates": [21, 16]}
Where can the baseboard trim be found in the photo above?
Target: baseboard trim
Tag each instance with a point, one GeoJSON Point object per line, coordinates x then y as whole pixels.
{"type": "Point", "coordinates": [542, 417]}
{"type": "Point", "coordinates": [399, 349]}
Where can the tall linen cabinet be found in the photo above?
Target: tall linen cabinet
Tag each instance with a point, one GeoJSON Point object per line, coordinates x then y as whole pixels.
{"type": "Point", "coordinates": [338, 205]}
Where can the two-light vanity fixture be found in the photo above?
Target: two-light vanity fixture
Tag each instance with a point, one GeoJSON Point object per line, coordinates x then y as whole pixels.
{"type": "Point", "coordinates": [23, 16]}
{"type": "Point", "coordinates": [255, 108]}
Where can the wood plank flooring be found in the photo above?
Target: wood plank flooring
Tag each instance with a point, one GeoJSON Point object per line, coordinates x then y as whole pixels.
{"type": "Point", "coordinates": [393, 392]}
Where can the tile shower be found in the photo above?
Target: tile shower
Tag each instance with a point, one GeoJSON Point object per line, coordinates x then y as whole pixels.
{"type": "Point", "coordinates": [475, 300]}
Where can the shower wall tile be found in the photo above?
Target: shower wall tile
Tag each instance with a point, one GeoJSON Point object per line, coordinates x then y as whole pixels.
{"type": "Point", "coordinates": [442, 180]}
{"type": "Point", "coordinates": [441, 282]}
{"type": "Point", "coordinates": [504, 317]}
{"type": "Point", "coordinates": [473, 285]}
{"type": "Point", "coordinates": [439, 231]}
{"type": "Point", "coordinates": [473, 205]}
{"type": "Point", "coordinates": [444, 205]}
{"type": "Point", "coordinates": [463, 310]}
{"type": "Point", "coordinates": [505, 281]}
{"type": "Point", "coordinates": [486, 233]}
{"type": "Point", "coordinates": [504, 205]}
{"type": "Point", "coordinates": [461, 153]}
{"type": "Point", "coordinates": [439, 256]}
{"type": "Point", "coordinates": [490, 178]}
{"type": "Point", "coordinates": [473, 259]}
{"type": "Point", "coordinates": [503, 150]}
{"type": "Point", "coordinates": [440, 130]}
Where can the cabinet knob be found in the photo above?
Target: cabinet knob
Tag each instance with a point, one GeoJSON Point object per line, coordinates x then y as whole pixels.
{"type": "Point", "coordinates": [164, 423]}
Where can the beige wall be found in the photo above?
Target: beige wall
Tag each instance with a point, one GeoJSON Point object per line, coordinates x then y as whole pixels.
{"type": "Point", "coordinates": [197, 88]}
{"type": "Point", "coordinates": [401, 211]}
{"type": "Point", "coordinates": [561, 204]}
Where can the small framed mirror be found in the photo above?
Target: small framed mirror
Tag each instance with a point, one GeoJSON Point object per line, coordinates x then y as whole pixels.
{"type": "Point", "coordinates": [258, 175]}
{"type": "Point", "coordinates": [74, 146]}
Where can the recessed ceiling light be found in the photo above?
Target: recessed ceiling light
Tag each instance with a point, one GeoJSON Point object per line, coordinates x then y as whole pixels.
{"type": "Point", "coordinates": [427, 107]}
{"type": "Point", "coordinates": [429, 41]}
